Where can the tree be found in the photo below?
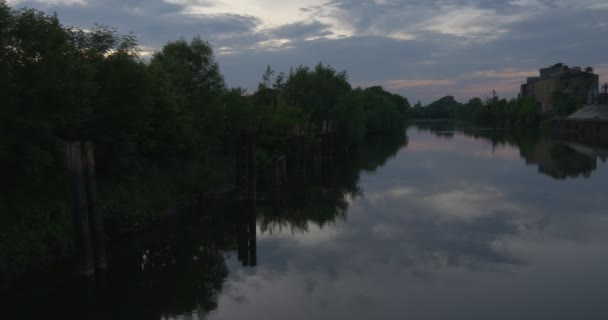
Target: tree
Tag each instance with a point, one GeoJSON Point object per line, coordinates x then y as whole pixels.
{"type": "Point", "coordinates": [266, 82]}
{"type": "Point", "coordinates": [316, 91]}
{"type": "Point", "coordinates": [191, 67]}
{"type": "Point", "coordinates": [188, 74]}
{"type": "Point", "coordinates": [563, 104]}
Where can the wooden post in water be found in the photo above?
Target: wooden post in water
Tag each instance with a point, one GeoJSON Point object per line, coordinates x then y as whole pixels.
{"type": "Point", "coordinates": [276, 176]}
{"type": "Point", "coordinates": [300, 149]}
{"type": "Point", "coordinates": [76, 176]}
{"type": "Point", "coordinates": [241, 169]}
{"type": "Point", "coordinates": [245, 166]}
{"type": "Point", "coordinates": [242, 179]}
{"type": "Point", "coordinates": [251, 169]}
{"type": "Point", "coordinates": [279, 169]}
{"type": "Point", "coordinates": [96, 223]}
{"type": "Point", "coordinates": [317, 154]}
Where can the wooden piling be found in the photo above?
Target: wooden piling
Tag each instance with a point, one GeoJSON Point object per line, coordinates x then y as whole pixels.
{"type": "Point", "coordinates": [251, 168]}
{"type": "Point", "coordinates": [241, 166]}
{"type": "Point", "coordinates": [279, 169]}
{"type": "Point", "coordinates": [76, 176]}
{"type": "Point", "coordinates": [246, 178]}
{"type": "Point", "coordinates": [300, 159]}
{"type": "Point", "coordinates": [96, 223]}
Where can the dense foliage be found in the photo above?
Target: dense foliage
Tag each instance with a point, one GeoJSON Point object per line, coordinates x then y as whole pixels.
{"type": "Point", "coordinates": [162, 129]}
{"type": "Point", "coordinates": [521, 112]}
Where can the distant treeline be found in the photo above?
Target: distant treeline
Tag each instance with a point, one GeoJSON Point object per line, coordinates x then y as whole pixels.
{"type": "Point", "coordinates": [521, 112]}
{"type": "Point", "coordinates": [162, 128]}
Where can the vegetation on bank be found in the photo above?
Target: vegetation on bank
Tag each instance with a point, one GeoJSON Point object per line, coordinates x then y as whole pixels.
{"type": "Point", "coordinates": [163, 130]}
{"type": "Point", "coordinates": [521, 112]}
{"type": "Point", "coordinates": [524, 112]}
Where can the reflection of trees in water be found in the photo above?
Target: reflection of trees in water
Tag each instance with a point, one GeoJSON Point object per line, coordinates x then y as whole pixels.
{"type": "Point", "coordinates": [557, 159]}
{"type": "Point", "coordinates": [378, 150]}
{"type": "Point", "coordinates": [180, 268]}
{"type": "Point", "coordinates": [171, 269]}
{"type": "Point", "coordinates": [181, 265]}
{"type": "Point", "coordinates": [322, 195]}
{"type": "Point", "coordinates": [560, 161]}
{"type": "Point", "coordinates": [441, 129]}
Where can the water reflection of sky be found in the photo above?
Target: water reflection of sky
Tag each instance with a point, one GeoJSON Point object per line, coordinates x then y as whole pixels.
{"type": "Point", "coordinates": [450, 228]}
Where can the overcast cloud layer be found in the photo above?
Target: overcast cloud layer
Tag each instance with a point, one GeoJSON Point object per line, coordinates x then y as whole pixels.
{"type": "Point", "coordinates": [421, 49]}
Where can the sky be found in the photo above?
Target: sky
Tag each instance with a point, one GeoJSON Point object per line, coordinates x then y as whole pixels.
{"type": "Point", "coordinates": [422, 49]}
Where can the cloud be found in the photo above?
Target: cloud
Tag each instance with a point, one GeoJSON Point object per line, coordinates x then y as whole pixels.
{"type": "Point", "coordinates": [271, 13]}
{"type": "Point", "coordinates": [49, 2]}
{"type": "Point", "coordinates": [502, 74]}
{"type": "Point", "coordinates": [473, 22]}
{"type": "Point", "coordinates": [311, 30]}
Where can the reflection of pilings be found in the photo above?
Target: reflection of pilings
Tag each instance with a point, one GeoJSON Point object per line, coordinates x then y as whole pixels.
{"type": "Point", "coordinates": [246, 235]}
{"type": "Point", "coordinates": [90, 297]}
{"type": "Point", "coordinates": [89, 245]}
{"type": "Point", "coordinates": [253, 251]}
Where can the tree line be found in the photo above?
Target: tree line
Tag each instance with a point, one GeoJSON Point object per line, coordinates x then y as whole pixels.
{"type": "Point", "coordinates": [522, 112]}
{"type": "Point", "coordinates": [65, 83]}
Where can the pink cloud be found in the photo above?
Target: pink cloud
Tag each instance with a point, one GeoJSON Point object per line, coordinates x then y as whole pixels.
{"type": "Point", "coordinates": [397, 84]}
{"type": "Point", "coordinates": [508, 73]}
{"type": "Point", "coordinates": [503, 88]}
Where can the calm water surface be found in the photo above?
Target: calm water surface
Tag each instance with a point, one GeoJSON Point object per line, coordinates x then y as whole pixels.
{"type": "Point", "coordinates": [444, 223]}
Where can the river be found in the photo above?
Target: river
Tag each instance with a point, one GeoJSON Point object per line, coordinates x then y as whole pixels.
{"type": "Point", "coordinates": [445, 222]}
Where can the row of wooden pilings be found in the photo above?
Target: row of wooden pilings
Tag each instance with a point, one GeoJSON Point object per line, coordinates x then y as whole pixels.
{"type": "Point", "coordinates": [88, 224]}
{"type": "Point", "coordinates": [321, 149]}
{"type": "Point", "coordinates": [246, 181]}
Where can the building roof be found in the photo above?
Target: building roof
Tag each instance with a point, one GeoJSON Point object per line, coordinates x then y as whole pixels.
{"type": "Point", "coordinates": [591, 112]}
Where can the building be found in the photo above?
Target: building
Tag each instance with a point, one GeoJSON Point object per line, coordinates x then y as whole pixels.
{"type": "Point", "coordinates": [559, 78]}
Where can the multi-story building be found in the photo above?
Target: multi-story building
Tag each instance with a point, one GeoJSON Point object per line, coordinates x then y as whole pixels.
{"type": "Point", "coordinates": [559, 78]}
